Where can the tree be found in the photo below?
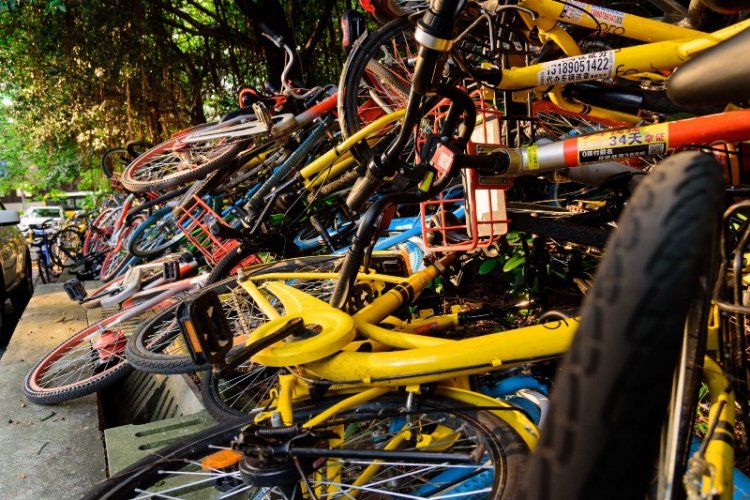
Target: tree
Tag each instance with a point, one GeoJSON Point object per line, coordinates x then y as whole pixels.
{"type": "Point", "coordinates": [85, 76]}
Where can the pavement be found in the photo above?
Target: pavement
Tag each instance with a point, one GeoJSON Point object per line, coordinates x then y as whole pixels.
{"type": "Point", "coordinates": [48, 451]}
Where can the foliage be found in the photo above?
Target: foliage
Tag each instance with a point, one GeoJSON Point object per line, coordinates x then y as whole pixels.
{"type": "Point", "coordinates": [79, 77]}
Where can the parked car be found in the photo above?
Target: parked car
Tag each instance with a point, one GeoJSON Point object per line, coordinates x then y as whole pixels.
{"type": "Point", "coordinates": [38, 215]}
{"type": "Point", "coordinates": [16, 282]}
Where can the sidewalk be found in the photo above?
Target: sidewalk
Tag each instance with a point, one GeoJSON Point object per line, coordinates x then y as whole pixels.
{"type": "Point", "coordinates": [49, 452]}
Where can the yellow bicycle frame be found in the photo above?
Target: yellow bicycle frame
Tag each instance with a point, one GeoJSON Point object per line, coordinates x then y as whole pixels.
{"type": "Point", "coordinates": [413, 359]}
{"type": "Point", "coordinates": [669, 46]}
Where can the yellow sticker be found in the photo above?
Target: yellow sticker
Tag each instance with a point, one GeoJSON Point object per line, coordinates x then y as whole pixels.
{"type": "Point", "coordinates": [533, 156]}
{"type": "Point", "coordinates": [624, 143]}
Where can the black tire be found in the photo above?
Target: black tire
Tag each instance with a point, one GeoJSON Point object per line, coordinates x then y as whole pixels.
{"type": "Point", "coordinates": [84, 377]}
{"type": "Point", "coordinates": [122, 485]}
{"type": "Point", "coordinates": [227, 263]}
{"type": "Point", "coordinates": [25, 290]}
{"type": "Point", "coordinates": [601, 437]}
{"type": "Point", "coordinates": [155, 347]}
{"type": "Point", "coordinates": [44, 272]}
{"type": "Point", "coordinates": [502, 451]}
{"type": "Point", "coordinates": [137, 148]}
{"type": "Point", "coordinates": [353, 80]}
{"type": "Point", "coordinates": [114, 161]}
{"type": "Point", "coordinates": [230, 395]}
{"type": "Point", "coordinates": [560, 230]}
{"type": "Point", "coordinates": [194, 162]}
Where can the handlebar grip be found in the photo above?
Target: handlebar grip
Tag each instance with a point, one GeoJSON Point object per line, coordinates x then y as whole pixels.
{"type": "Point", "coordinates": [223, 231]}
{"type": "Point", "coordinates": [363, 188]}
{"type": "Point", "coordinates": [274, 37]}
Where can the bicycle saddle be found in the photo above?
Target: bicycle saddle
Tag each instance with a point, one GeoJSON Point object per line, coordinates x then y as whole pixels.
{"type": "Point", "coordinates": [718, 75]}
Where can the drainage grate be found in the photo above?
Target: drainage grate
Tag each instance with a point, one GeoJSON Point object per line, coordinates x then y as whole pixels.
{"type": "Point", "coordinates": [129, 443]}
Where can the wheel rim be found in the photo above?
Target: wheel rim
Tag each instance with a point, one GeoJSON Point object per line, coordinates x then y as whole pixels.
{"type": "Point", "coordinates": [72, 363]}
{"type": "Point", "coordinates": [174, 158]}
{"type": "Point", "coordinates": [362, 430]}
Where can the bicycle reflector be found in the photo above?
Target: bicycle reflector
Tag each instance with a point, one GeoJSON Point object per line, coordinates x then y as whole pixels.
{"type": "Point", "coordinates": [75, 290]}
{"type": "Point", "coordinates": [353, 24]}
{"type": "Point", "coordinates": [205, 329]}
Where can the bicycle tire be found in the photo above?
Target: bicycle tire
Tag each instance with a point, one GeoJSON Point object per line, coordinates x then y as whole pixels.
{"type": "Point", "coordinates": [119, 258]}
{"type": "Point", "coordinates": [353, 78]}
{"type": "Point", "coordinates": [43, 270]}
{"type": "Point", "coordinates": [189, 162]}
{"type": "Point", "coordinates": [137, 148]}
{"type": "Point", "coordinates": [114, 158]}
{"type": "Point", "coordinates": [143, 242]}
{"type": "Point", "coordinates": [601, 437]}
{"type": "Point", "coordinates": [228, 263]}
{"type": "Point", "coordinates": [114, 264]}
{"type": "Point", "coordinates": [560, 230]}
{"type": "Point", "coordinates": [156, 346]}
{"type": "Point", "coordinates": [503, 452]}
{"type": "Point", "coordinates": [85, 378]}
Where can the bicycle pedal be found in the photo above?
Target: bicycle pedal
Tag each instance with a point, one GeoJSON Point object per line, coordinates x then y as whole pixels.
{"type": "Point", "coordinates": [205, 329]}
{"type": "Point", "coordinates": [75, 290]}
{"type": "Point", "coordinates": [171, 271]}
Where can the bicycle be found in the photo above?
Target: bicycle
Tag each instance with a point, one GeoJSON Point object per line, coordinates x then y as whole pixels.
{"type": "Point", "coordinates": [293, 474]}
{"type": "Point", "coordinates": [46, 250]}
{"type": "Point", "coordinates": [709, 469]}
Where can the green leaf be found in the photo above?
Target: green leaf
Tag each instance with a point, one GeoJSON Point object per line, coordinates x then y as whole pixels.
{"type": "Point", "coordinates": [488, 265]}
{"type": "Point", "coordinates": [513, 262]}
{"type": "Point", "coordinates": [513, 237]}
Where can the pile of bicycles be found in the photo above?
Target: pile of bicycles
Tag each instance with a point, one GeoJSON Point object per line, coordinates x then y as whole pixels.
{"type": "Point", "coordinates": [493, 262]}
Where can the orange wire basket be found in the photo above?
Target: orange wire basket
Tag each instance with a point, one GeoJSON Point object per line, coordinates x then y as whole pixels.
{"type": "Point", "coordinates": [195, 221]}
{"type": "Point", "coordinates": [485, 217]}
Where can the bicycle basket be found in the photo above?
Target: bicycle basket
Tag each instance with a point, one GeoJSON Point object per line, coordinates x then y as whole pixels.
{"type": "Point", "coordinates": [195, 219]}
{"type": "Point", "coordinates": [485, 218]}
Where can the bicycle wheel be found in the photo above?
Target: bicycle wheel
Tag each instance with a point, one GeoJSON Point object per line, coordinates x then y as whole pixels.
{"type": "Point", "coordinates": [157, 347]}
{"type": "Point", "coordinates": [651, 291]}
{"type": "Point", "coordinates": [376, 80]}
{"type": "Point", "coordinates": [381, 433]}
{"type": "Point", "coordinates": [155, 235]}
{"type": "Point", "coordinates": [70, 245]}
{"type": "Point", "coordinates": [114, 161]}
{"type": "Point", "coordinates": [229, 395]}
{"type": "Point", "coordinates": [231, 262]}
{"type": "Point", "coordinates": [137, 148]}
{"type": "Point", "coordinates": [119, 258]}
{"type": "Point", "coordinates": [86, 362]}
{"type": "Point", "coordinates": [99, 232]}
{"type": "Point", "coordinates": [44, 273]}
{"type": "Point", "coordinates": [180, 160]}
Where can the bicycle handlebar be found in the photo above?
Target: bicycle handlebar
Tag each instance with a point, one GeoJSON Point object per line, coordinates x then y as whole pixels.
{"type": "Point", "coordinates": [271, 35]}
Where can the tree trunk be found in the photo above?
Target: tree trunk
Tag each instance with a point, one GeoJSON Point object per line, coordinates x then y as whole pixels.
{"type": "Point", "coordinates": [271, 13]}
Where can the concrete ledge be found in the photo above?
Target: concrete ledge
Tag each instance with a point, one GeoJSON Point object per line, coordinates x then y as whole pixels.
{"type": "Point", "coordinates": [129, 443]}
{"type": "Point", "coordinates": [48, 451]}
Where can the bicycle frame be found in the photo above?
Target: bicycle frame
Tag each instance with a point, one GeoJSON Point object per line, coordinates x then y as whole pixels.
{"type": "Point", "coordinates": [422, 360]}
